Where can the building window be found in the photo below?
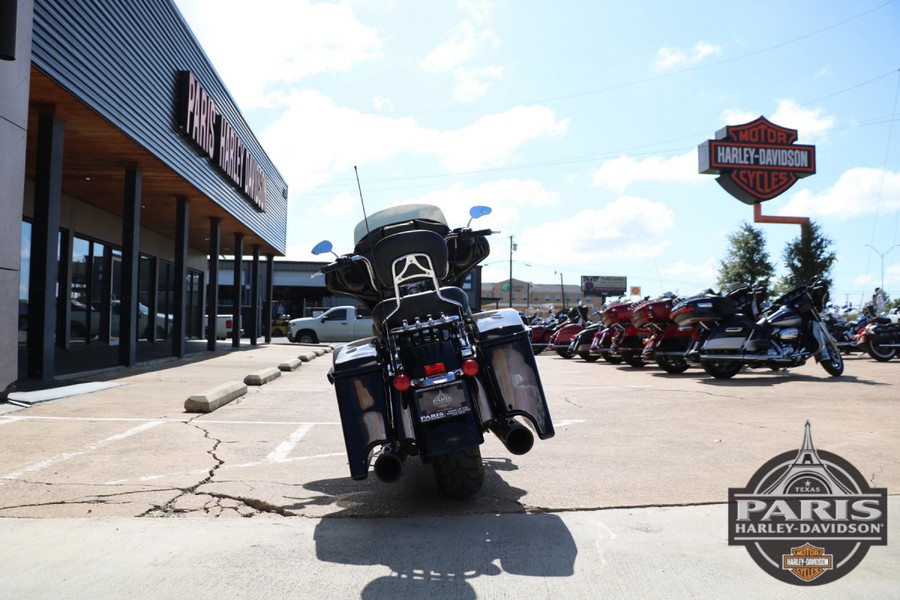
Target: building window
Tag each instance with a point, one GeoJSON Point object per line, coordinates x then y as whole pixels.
{"type": "Point", "coordinates": [24, 280]}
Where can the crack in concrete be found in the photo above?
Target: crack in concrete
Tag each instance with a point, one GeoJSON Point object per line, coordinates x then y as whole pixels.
{"type": "Point", "coordinates": [218, 501]}
{"type": "Point", "coordinates": [96, 499]}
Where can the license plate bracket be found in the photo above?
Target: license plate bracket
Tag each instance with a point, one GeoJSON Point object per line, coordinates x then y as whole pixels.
{"type": "Point", "coordinates": [442, 402]}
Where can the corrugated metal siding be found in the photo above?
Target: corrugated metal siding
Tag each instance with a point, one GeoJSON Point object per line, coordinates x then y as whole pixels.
{"type": "Point", "coordinates": [122, 59]}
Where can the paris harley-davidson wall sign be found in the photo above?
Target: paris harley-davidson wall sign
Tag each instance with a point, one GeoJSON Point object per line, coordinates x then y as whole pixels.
{"type": "Point", "coordinates": [756, 161]}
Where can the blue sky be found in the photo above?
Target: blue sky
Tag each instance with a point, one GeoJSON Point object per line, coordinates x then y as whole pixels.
{"type": "Point", "coordinates": [577, 121]}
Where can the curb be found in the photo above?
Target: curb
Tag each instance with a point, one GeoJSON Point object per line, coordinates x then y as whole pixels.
{"type": "Point", "coordinates": [213, 398]}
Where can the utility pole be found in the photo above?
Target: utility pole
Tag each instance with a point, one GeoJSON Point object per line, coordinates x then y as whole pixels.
{"type": "Point", "coordinates": [511, 248]}
{"type": "Point", "coordinates": [562, 289]}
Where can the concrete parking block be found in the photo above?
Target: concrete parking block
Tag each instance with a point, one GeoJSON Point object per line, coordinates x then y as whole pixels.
{"type": "Point", "coordinates": [290, 365]}
{"type": "Point", "coordinates": [307, 356]}
{"type": "Point", "coordinates": [213, 398]}
{"type": "Point", "coordinates": [263, 376]}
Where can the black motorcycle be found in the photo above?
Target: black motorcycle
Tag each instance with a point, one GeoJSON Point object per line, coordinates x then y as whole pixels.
{"type": "Point", "coordinates": [701, 314]}
{"type": "Point", "coordinates": [879, 337]}
{"type": "Point", "coordinates": [434, 377]}
{"type": "Point", "coordinates": [789, 332]}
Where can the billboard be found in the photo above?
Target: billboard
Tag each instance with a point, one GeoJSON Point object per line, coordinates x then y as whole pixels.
{"type": "Point", "coordinates": [603, 285]}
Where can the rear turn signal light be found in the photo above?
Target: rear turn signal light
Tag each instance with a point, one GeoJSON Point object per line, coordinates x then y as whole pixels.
{"type": "Point", "coordinates": [470, 368]}
{"type": "Point", "coordinates": [401, 383]}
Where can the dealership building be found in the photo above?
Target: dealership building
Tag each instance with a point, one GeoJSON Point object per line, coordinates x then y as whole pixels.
{"type": "Point", "coordinates": [126, 171]}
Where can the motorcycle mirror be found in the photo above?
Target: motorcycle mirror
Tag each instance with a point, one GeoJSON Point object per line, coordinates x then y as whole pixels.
{"type": "Point", "coordinates": [323, 247]}
{"type": "Point", "coordinates": [478, 211]}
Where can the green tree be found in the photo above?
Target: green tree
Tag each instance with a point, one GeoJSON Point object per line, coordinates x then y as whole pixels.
{"type": "Point", "coordinates": [806, 257]}
{"type": "Point", "coordinates": [747, 260]}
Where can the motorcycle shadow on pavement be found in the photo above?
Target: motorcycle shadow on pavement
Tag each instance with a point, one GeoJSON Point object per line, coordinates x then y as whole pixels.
{"type": "Point", "coordinates": [763, 378]}
{"type": "Point", "coordinates": [433, 545]}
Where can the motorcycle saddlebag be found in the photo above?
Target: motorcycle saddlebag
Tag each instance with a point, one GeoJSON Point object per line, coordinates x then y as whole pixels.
{"type": "Point", "coordinates": [511, 369]}
{"type": "Point", "coordinates": [731, 336]}
{"type": "Point", "coordinates": [361, 391]}
{"type": "Point", "coordinates": [697, 310]}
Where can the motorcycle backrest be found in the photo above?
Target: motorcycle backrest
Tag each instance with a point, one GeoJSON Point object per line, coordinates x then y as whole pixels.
{"type": "Point", "coordinates": [411, 256]}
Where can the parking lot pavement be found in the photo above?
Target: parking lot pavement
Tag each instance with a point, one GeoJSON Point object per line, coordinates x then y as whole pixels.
{"type": "Point", "coordinates": [628, 498]}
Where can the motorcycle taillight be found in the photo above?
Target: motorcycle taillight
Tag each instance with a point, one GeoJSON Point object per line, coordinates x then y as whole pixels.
{"type": "Point", "coordinates": [470, 368]}
{"type": "Point", "coordinates": [402, 383]}
{"type": "Point", "coordinates": [435, 369]}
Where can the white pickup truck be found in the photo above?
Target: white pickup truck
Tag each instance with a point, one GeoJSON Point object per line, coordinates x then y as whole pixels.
{"type": "Point", "coordinates": [338, 324]}
{"type": "Point", "coordinates": [224, 326]}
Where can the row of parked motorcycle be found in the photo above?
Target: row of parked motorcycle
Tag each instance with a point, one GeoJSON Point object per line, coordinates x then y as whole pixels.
{"type": "Point", "coordinates": [720, 332]}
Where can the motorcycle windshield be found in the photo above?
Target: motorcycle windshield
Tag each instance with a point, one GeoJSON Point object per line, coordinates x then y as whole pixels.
{"type": "Point", "coordinates": [397, 214]}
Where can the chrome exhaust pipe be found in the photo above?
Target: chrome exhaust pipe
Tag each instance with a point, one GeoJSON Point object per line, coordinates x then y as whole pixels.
{"type": "Point", "coordinates": [517, 438]}
{"type": "Point", "coordinates": [389, 465]}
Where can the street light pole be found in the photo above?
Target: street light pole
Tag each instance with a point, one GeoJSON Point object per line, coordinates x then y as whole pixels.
{"type": "Point", "coordinates": [882, 255]}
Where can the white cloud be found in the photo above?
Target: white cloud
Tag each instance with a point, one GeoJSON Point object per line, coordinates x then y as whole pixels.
{"type": "Point", "coordinates": [619, 173]}
{"type": "Point", "coordinates": [492, 139]}
{"type": "Point", "coordinates": [343, 203]}
{"type": "Point", "coordinates": [508, 199]}
{"type": "Point", "coordinates": [465, 43]}
{"type": "Point", "coordinates": [812, 124]}
{"type": "Point", "coordinates": [617, 229]}
{"type": "Point", "coordinates": [668, 59]}
{"type": "Point", "coordinates": [859, 191]}
{"type": "Point", "coordinates": [316, 138]}
{"type": "Point", "coordinates": [305, 39]}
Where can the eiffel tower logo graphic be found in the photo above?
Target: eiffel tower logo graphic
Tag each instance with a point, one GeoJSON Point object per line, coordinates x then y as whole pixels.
{"type": "Point", "coordinates": [808, 475]}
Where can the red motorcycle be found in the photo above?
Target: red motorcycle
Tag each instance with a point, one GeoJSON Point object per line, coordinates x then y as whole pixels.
{"type": "Point", "coordinates": [540, 334]}
{"type": "Point", "coordinates": [566, 330]}
{"type": "Point", "coordinates": [625, 341]}
{"type": "Point", "coordinates": [667, 342]}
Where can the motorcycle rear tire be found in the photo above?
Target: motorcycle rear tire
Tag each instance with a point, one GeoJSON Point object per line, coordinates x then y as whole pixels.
{"type": "Point", "coordinates": [565, 353]}
{"type": "Point", "coordinates": [880, 354]}
{"type": "Point", "coordinates": [613, 360]}
{"type": "Point", "coordinates": [722, 370]}
{"type": "Point", "coordinates": [675, 366]}
{"type": "Point", "coordinates": [587, 356]}
{"type": "Point", "coordinates": [459, 474]}
{"type": "Point", "coordinates": [538, 348]}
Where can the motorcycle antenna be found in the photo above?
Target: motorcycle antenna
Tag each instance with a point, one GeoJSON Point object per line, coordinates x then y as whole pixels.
{"type": "Point", "coordinates": [361, 201]}
{"type": "Point", "coordinates": [366, 219]}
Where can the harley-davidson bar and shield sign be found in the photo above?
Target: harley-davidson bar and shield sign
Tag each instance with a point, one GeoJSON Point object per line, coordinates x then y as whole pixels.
{"type": "Point", "coordinates": [756, 161]}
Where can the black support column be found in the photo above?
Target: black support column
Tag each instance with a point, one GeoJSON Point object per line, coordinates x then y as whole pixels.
{"type": "Point", "coordinates": [64, 277]}
{"type": "Point", "coordinates": [212, 296]}
{"type": "Point", "coordinates": [131, 243]}
{"type": "Point", "coordinates": [236, 289]}
{"type": "Point", "coordinates": [44, 251]}
{"type": "Point", "coordinates": [254, 296]}
{"type": "Point", "coordinates": [182, 217]}
{"type": "Point", "coordinates": [267, 306]}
